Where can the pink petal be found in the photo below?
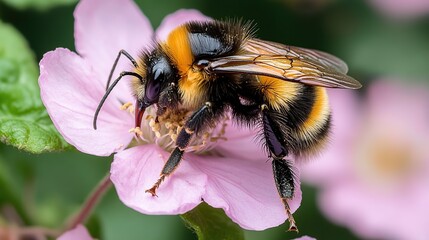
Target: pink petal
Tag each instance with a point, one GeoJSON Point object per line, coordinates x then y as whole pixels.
{"type": "Point", "coordinates": [305, 238]}
{"type": "Point", "coordinates": [346, 110]}
{"type": "Point", "coordinates": [402, 9]}
{"type": "Point", "coordinates": [386, 97]}
{"type": "Point", "coordinates": [137, 169]}
{"type": "Point", "coordinates": [71, 98]}
{"type": "Point", "coordinates": [242, 143]}
{"type": "Point", "coordinates": [103, 28]}
{"type": "Point", "coordinates": [374, 214]}
{"type": "Point", "coordinates": [245, 190]}
{"type": "Point", "coordinates": [176, 19]}
{"type": "Point", "coordinates": [78, 233]}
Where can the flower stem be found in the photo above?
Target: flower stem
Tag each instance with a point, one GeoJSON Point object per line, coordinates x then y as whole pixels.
{"type": "Point", "coordinates": [91, 202]}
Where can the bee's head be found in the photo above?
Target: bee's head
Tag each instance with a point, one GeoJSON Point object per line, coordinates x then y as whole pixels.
{"type": "Point", "coordinates": [158, 75]}
{"type": "Point", "coordinates": [152, 74]}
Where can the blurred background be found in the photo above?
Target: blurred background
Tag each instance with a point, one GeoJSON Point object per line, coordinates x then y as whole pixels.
{"type": "Point", "coordinates": [386, 46]}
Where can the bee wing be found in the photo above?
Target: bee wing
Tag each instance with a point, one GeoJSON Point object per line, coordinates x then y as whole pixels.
{"type": "Point", "coordinates": [272, 48]}
{"type": "Point", "coordinates": [288, 63]}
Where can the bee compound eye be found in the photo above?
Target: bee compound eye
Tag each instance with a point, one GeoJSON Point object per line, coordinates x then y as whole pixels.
{"type": "Point", "coordinates": [152, 91]}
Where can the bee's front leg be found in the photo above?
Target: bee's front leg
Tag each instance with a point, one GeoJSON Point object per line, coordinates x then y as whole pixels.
{"type": "Point", "coordinates": [192, 125]}
{"type": "Point", "coordinates": [168, 99]}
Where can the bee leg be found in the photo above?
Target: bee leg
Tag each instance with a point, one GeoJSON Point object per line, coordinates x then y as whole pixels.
{"type": "Point", "coordinates": [168, 99]}
{"type": "Point", "coordinates": [284, 178]}
{"type": "Point", "coordinates": [282, 169]}
{"type": "Point", "coordinates": [192, 125]}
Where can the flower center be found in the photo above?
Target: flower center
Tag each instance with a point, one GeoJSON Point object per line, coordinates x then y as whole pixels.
{"type": "Point", "coordinates": [387, 161]}
{"type": "Point", "coordinates": [163, 130]}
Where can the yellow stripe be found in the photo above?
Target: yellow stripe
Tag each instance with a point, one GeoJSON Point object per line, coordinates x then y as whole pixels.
{"type": "Point", "coordinates": [178, 48]}
{"type": "Point", "coordinates": [319, 111]}
{"type": "Point", "coordinates": [278, 93]}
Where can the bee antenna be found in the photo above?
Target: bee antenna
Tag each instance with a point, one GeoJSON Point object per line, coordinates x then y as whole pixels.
{"type": "Point", "coordinates": [126, 54]}
{"type": "Point", "coordinates": [108, 91]}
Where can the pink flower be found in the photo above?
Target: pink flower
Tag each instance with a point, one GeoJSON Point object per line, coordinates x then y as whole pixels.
{"type": "Point", "coordinates": [78, 233]}
{"type": "Point", "coordinates": [305, 238]}
{"type": "Point", "coordinates": [402, 9]}
{"type": "Point", "coordinates": [224, 168]}
{"type": "Point", "coordinates": [374, 178]}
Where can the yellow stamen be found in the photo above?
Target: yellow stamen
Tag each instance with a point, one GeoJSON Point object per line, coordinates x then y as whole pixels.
{"type": "Point", "coordinates": [137, 131]}
{"type": "Point", "coordinates": [164, 129]}
{"type": "Point", "coordinates": [128, 107]}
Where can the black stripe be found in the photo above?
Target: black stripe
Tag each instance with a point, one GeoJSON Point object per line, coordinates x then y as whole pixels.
{"type": "Point", "coordinates": [324, 131]}
{"type": "Point", "coordinates": [300, 108]}
{"type": "Point", "coordinates": [305, 145]}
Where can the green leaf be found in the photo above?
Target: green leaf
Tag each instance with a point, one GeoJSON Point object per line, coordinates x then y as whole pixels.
{"type": "Point", "coordinates": [212, 223]}
{"type": "Point", "coordinates": [37, 4]}
{"type": "Point", "coordinates": [24, 122]}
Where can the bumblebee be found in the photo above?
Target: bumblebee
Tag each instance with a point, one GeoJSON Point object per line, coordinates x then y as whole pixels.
{"type": "Point", "coordinates": [210, 68]}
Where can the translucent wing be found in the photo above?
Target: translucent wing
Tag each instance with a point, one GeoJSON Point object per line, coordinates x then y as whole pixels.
{"type": "Point", "coordinates": [289, 63]}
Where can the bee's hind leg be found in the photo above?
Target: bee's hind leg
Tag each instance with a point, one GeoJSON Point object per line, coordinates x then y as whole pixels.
{"type": "Point", "coordinates": [282, 169]}
{"type": "Point", "coordinates": [284, 178]}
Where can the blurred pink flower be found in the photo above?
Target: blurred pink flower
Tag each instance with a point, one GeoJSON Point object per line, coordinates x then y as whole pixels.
{"type": "Point", "coordinates": [402, 9]}
{"type": "Point", "coordinates": [78, 233]}
{"type": "Point", "coordinates": [305, 238]}
{"type": "Point", "coordinates": [374, 178]}
{"type": "Point", "coordinates": [224, 168]}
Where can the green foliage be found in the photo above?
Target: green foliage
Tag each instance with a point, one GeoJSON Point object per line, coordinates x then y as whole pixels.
{"type": "Point", "coordinates": [398, 51]}
{"type": "Point", "coordinates": [9, 193]}
{"type": "Point", "coordinates": [37, 4]}
{"type": "Point", "coordinates": [212, 224]}
{"type": "Point", "coordinates": [24, 122]}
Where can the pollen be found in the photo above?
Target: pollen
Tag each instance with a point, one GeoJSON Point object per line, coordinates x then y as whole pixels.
{"type": "Point", "coordinates": [163, 130]}
{"type": "Point", "coordinates": [127, 107]}
{"type": "Point", "coordinates": [154, 125]}
{"type": "Point", "coordinates": [136, 131]}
